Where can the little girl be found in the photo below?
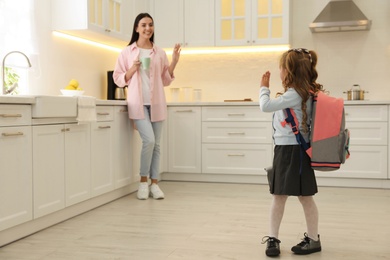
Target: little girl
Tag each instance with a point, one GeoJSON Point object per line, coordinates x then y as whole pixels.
{"type": "Point", "coordinates": [291, 173]}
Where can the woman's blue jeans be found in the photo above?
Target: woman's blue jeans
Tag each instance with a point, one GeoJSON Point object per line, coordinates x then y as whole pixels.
{"type": "Point", "coordinates": [150, 133]}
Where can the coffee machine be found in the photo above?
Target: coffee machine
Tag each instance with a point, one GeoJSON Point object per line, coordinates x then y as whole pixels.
{"type": "Point", "coordinates": [113, 91]}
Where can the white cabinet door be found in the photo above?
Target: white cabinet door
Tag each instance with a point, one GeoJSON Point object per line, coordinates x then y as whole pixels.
{"type": "Point", "coordinates": [252, 22]}
{"type": "Point", "coordinates": [123, 157]}
{"type": "Point", "coordinates": [48, 169]}
{"type": "Point", "coordinates": [190, 23]}
{"type": "Point", "coordinates": [15, 176]}
{"type": "Point", "coordinates": [184, 135]}
{"type": "Point", "coordinates": [102, 138]}
{"type": "Point", "coordinates": [236, 158]}
{"type": "Point", "coordinates": [105, 21]}
{"type": "Point", "coordinates": [77, 163]}
{"type": "Point", "coordinates": [199, 30]}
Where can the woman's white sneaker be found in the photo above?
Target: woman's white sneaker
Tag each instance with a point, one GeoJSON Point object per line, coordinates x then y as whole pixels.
{"type": "Point", "coordinates": [156, 192]}
{"type": "Point", "coordinates": [143, 191]}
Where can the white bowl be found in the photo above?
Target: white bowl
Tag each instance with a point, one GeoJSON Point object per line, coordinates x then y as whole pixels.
{"type": "Point", "coordinates": [72, 93]}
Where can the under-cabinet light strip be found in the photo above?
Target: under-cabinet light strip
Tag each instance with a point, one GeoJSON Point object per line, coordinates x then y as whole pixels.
{"type": "Point", "coordinates": [85, 41]}
{"type": "Point", "coordinates": [216, 50]}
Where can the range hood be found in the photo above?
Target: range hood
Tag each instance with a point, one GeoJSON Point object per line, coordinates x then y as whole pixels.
{"type": "Point", "coordinates": [339, 16]}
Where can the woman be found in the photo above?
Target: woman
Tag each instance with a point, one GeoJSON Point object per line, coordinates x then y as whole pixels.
{"type": "Point", "coordinates": [145, 95]}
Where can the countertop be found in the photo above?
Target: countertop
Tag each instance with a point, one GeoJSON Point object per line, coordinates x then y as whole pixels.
{"type": "Point", "coordinates": [253, 103]}
{"type": "Point", "coordinates": [21, 99]}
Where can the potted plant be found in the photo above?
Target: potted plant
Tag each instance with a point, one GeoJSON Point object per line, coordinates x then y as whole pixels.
{"type": "Point", "coordinates": [11, 79]}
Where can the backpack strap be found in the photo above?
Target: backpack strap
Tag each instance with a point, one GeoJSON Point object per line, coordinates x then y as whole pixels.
{"type": "Point", "coordinates": [292, 120]}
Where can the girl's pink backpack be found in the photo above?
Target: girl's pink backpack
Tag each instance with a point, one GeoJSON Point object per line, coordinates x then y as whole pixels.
{"type": "Point", "coordinates": [329, 139]}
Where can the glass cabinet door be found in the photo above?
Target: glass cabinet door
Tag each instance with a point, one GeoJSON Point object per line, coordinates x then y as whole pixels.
{"type": "Point", "coordinates": [233, 22]}
{"type": "Point", "coordinates": [114, 15]}
{"type": "Point", "coordinates": [252, 22]}
{"type": "Point", "coordinates": [96, 13]}
{"type": "Point", "coordinates": [270, 22]}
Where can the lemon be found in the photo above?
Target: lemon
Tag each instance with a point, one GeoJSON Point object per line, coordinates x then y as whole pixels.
{"type": "Point", "coordinates": [79, 88]}
{"type": "Point", "coordinates": [74, 83]}
{"type": "Point", "coordinates": [70, 87]}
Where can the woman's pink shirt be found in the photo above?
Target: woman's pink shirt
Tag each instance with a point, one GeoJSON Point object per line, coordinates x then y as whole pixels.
{"type": "Point", "coordinates": [159, 78]}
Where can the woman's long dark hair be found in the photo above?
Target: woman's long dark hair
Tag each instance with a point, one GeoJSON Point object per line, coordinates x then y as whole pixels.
{"type": "Point", "coordinates": [135, 35]}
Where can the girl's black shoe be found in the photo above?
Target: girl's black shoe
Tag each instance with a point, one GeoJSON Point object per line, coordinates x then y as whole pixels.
{"type": "Point", "coordinates": [307, 246]}
{"type": "Point", "coordinates": [272, 246]}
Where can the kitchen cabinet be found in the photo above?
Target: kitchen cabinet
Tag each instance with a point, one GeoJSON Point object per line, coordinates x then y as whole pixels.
{"type": "Point", "coordinates": [15, 165]}
{"type": "Point", "coordinates": [368, 125]}
{"type": "Point", "coordinates": [190, 23]}
{"type": "Point", "coordinates": [102, 142]}
{"type": "Point", "coordinates": [252, 22]}
{"type": "Point", "coordinates": [77, 163]}
{"type": "Point", "coordinates": [48, 169]}
{"type": "Point", "coordinates": [61, 166]}
{"type": "Point", "coordinates": [184, 135]}
{"type": "Point", "coordinates": [123, 143]}
{"type": "Point", "coordinates": [105, 21]}
{"type": "Point", "coordinates": [236, 140]}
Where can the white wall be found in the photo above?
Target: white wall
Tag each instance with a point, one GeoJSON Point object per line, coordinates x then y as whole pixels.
{"type": "Point", "coordinates": [344, 59]}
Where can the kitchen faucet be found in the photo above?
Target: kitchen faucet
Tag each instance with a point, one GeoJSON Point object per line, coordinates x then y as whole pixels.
{"type": "Point", "coordinates": [3, 91]}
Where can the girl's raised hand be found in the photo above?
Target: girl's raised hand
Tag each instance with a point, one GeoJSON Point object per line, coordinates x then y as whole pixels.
{"type": "Point", "coordinates": [265, 79]}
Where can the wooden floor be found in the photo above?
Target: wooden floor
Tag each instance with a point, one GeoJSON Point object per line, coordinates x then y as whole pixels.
{"type": "Point", "coordinates": [214, 221]}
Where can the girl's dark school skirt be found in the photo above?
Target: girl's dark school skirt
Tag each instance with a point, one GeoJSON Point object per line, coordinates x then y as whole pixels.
{"type": "Point", "coordinates": [291, 172]}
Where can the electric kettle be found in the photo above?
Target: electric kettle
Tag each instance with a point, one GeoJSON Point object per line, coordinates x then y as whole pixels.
{"type": "Point", "coordinates": [120, 93]}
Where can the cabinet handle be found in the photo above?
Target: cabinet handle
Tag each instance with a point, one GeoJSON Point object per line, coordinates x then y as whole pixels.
{"type": "Point", "coordinates": [184, 111]}
{"type": "Point", "coordinates": [103, 114]}
{"type": "Point", "coordinates": [12, 134]}
{"type": "Point", "coordinates": [104, 127]}
{"type": "Point", "coordinates": [236, 114]}
{"type": "Point", "coordinates": [65, 130]}
{"type": "Point", "coordinates": [236, 154]}
{"type": "Point", "coordinates": [123, 110]}
{"type": "Point", "coordinates": [236, 133]}
{"type": "Point", "coordinates": [108, 30]}
{"type": "Point", "coordinates": [11, 115]}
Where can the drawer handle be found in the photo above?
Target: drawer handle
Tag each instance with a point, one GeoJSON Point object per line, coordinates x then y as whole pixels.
{"type": "Point", "coordinates": [65, 130]}
{"type": "Point", "coordinates": [103, 114]}
{"type": "Point", "coordinates": [104, 127]}
{"type": "Point", "coordinates": [236, 114]}
{"type": "Point", "coordinates": [236, 154]}
{"type": "Point", "coordinates": [236, 133]}
{"type": "Point", "coordinates": [11, 115]}
{"type": "Point", "coordinates": [123, 110]}
{"type": "Point", "coordinates": [184, 111]}
{"type": "Point", "coordinates": [12, 134]}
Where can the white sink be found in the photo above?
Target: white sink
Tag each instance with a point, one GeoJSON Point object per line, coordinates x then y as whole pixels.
{"type": "Point", "coordinates": [54, 107]}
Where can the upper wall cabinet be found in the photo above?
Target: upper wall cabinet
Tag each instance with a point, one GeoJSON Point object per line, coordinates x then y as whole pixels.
{"type": "Point", "coordinates": [106, 21]}
{"type": "Point", "coordinates": [252, 22]}
{"type": "Point", "coordinates": [188, 22]}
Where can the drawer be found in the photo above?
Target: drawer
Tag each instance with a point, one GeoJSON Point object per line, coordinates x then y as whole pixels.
{"type": "Point", "coordinates": [235, 113]}
{"type": "Point", "coordinates": [236, 158]}
{"type": "Point", "coordinates": [366, 113]}
{"type": "Point", "coordinates": [104, 113]}
{"type": "Point", "coordinates": [373, 133]}
{"type": "Point", "coordinates": [237, 132]}
{"type": "Point", "coordinates": [15, 115]}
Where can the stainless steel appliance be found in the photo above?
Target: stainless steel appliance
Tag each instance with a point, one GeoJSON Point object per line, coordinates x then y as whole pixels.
{"type": "Point", "coordinates": [113, 91]}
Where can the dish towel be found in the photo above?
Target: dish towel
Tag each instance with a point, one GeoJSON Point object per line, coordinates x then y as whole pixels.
{"type": "Point", "coordinates": [86, 109]}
